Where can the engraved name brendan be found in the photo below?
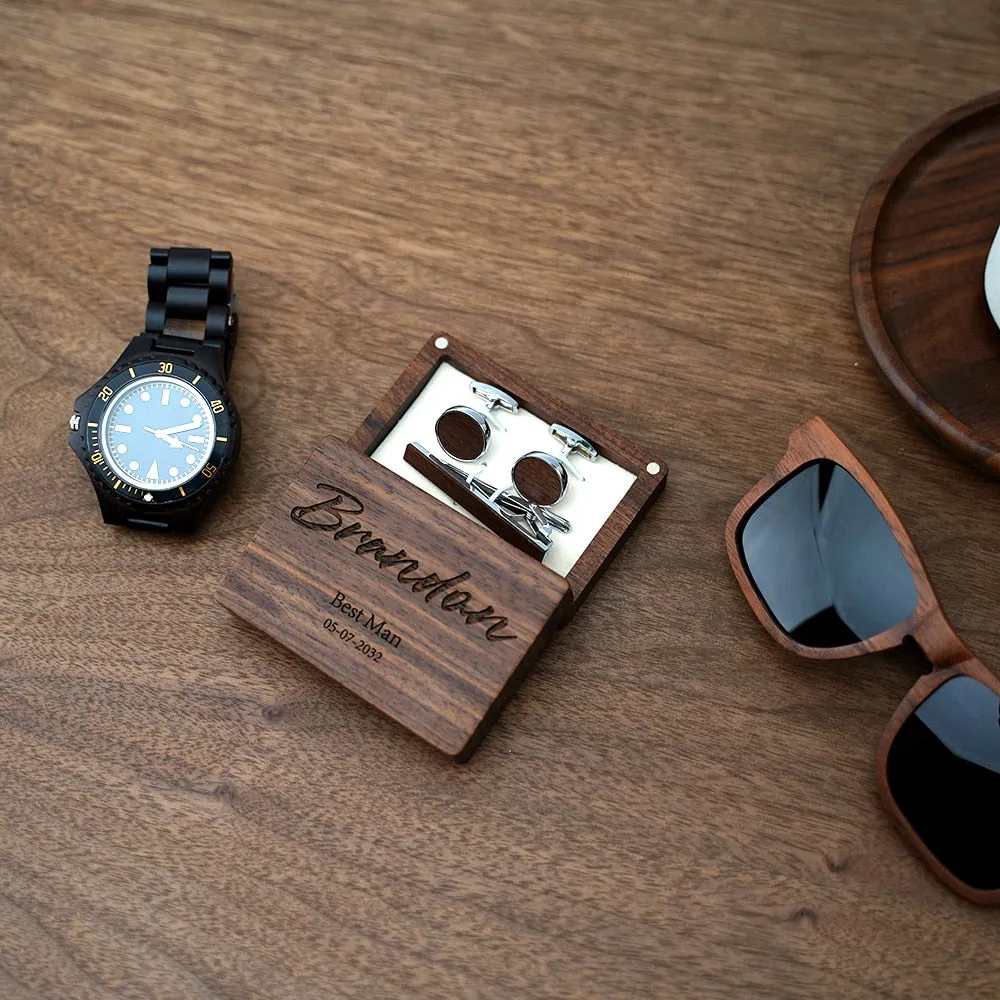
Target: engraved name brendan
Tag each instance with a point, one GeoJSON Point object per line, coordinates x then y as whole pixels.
{"type": "Point", "coordinates": [430, 585]}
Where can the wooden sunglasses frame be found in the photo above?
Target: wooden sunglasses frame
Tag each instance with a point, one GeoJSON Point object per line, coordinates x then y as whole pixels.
{"type": "Point", "coordinates": [928, 626]}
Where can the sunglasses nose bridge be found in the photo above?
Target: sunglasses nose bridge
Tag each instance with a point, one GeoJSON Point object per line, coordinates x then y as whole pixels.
{"type": "Point", "coordinates": [937, 638]}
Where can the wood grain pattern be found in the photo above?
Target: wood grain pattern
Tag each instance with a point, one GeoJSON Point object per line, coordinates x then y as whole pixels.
{"type": "Point", "coordinates": [927, 625]}
{"type": "Point", "coordinates": [646, 207]}
{"type": "Point", "coordinates": [536, 480]}
{"type": "Point", "coordinates": [917, 260]}
{"type": "Point", "coordinates": [419, 611]}
{"type": "Point", "coordinates": [463, 433]}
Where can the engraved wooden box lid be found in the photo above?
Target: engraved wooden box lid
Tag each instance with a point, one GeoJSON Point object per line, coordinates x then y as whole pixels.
{"type": "Point", "coordinates": [424, 613]}
{"type": "Point", "coordinates": [411, 605]}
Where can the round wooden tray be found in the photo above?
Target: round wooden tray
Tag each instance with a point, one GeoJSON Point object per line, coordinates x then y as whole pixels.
{"type": "Point", "coordinates": [917, 261]}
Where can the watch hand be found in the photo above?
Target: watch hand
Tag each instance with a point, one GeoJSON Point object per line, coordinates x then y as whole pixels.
{"type": "Point", "coordinates": [181, 428]}
{"type": "Point", "coordinates": [166, 436]}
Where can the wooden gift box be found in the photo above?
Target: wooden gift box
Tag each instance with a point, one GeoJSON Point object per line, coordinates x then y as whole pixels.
{"type": "Point", "coordinates": [382, 583]}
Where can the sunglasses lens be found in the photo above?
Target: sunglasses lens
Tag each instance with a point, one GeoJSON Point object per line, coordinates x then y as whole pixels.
{"type": "Point", "coordinates": [944, 774]}
{"type": "Point", "coordinates": [824, 560]}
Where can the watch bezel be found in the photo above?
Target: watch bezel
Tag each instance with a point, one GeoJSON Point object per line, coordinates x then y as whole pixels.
{"type": "Point", "coordinates": [226, 431]}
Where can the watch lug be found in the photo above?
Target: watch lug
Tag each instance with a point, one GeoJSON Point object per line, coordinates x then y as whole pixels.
{"type": "Point", "coordinates": [136, 346]}
{"type": "Point", "coordinates": [210, 357]}
{"type": "Point", "coordinates": [110, 511]}
{"type": "Point", "coordinates": [205, 355]}
{"type": "Point", "coordinates": [182, 524]}
{"type": "Point", "coordinates": [150, 519]}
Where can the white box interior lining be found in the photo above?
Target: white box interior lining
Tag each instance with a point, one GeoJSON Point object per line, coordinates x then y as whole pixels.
{"type": "Point", "coordinates": [586, 505]}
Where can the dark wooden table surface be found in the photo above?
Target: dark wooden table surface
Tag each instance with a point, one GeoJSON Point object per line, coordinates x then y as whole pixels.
{"type": "Point", "coordinates": [648, 205]}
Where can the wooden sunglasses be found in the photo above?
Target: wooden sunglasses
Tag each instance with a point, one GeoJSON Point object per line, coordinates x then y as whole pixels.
{"type": "Point", "coordinates": [922, 775]}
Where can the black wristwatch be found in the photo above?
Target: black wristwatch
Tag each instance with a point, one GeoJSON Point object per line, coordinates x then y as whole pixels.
{"type": "Point", "coordinates": [159, 433]}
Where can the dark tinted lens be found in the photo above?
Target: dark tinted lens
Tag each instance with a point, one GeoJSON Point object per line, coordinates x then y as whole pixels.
{"type": "Point", "coordinates": [944, 773]}
{"type": "Point", "coordinates": [825, 561]}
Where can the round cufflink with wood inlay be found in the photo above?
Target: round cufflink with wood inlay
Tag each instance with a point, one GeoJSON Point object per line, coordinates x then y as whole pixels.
{"type": "Point", "coordinates": [463, 433]}
{"type": "Point", "coordinates": [540, 478]}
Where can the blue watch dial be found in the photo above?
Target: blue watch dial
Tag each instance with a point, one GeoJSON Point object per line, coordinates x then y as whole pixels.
{"type": "Point", "coordinates": [157, 432]}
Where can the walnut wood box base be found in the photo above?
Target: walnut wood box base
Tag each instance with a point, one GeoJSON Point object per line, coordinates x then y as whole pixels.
{"type": "Point", "coordinates": [424, 613]}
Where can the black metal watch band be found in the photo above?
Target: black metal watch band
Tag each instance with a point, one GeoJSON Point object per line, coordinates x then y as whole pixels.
{"type": "Point", "coordinates": [192, 307]}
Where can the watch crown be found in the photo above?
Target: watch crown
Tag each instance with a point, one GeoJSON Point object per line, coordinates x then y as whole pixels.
{"type": "Point", "coordinates": [74, 422]}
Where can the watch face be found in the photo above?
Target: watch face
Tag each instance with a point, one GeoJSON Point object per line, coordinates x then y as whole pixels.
{"type": "Point", "coordinates": [157, 432]}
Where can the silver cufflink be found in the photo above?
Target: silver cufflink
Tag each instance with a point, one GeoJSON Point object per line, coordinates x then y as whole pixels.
{"type": "Point", "coordinates": [540, 480]}
{"type": "Point", "coordinates": [494, 399]}
{"type": "Point", "coordinates": [464, 435]}
{"type": "Point", "coordinates": [573, 444]}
